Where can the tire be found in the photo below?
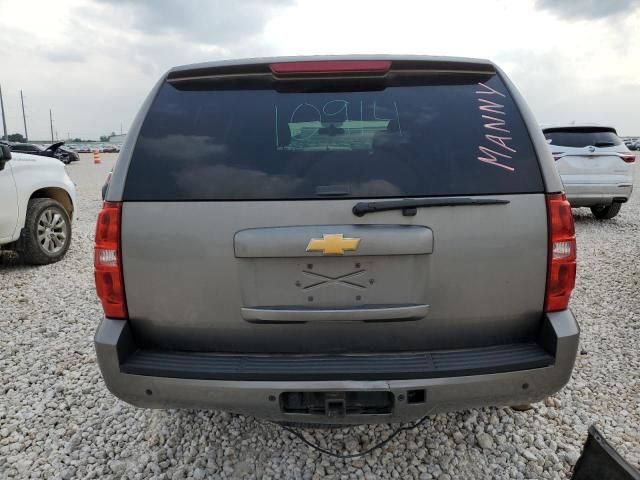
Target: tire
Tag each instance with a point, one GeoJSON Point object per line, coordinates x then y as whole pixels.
{"type": "Point", "coordinates": [47, 232]}
{"type": "Point", "coordinates": [605, 212]}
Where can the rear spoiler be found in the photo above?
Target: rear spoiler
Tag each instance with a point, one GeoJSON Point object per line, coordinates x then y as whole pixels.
{"type": "Point", "coordinates": [580, 128]}
{"type": "Point", "coordinates": [308, 67]}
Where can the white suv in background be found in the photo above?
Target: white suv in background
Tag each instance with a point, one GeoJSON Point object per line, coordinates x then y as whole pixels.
{"type": "Point", "coordinates": [596, 167]}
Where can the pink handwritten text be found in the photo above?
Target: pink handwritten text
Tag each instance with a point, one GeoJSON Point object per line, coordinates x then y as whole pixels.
{"type": "Point", "coordinates": [497, 151]}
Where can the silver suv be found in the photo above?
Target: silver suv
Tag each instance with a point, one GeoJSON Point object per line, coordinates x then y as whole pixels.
{"type": "Point", "coordinates": [335, 240]}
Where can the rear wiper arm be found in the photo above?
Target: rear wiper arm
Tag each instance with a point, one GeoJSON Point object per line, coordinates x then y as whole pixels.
{"type": "Point", "coordinates": [409, 206]}
{"type": "Point", "coordinates": [603, 144]}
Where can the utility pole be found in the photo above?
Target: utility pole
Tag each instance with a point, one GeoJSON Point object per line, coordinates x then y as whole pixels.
{"type": "Point", "coordinates": [120, 128]}
{"type": "Point", "coordinates": [51, 122]}
{"type": "Point", "coordinates": [24, 118]}
{"type": "Point", "coordinates": [4, 121]}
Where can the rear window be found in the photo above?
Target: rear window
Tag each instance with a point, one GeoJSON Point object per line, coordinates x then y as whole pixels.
{"type": "Point", "coordinates": [457, 135]}
{"type": "Point", "coordinates": [582, 137]}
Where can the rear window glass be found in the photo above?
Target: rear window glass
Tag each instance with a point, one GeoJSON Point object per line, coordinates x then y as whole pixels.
{"type": "Point", "coordinates": [582, 138]}
{"type": "Point", "coordinates": [458, 135]}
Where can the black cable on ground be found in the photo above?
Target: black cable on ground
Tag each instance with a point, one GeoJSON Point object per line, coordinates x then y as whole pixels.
{"type": "Point", "coordinates": [359, 454]}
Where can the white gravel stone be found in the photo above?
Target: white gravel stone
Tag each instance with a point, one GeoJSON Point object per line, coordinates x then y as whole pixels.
{"type": "Point", "coordinates": [485, 440]}
{"type": "Point", "coordinates": [57, 419]}
{"type": "Point", "coordinates": [572, 457]}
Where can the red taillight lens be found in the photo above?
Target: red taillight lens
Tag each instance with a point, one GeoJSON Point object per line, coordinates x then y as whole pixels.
{"type": "Point", "coordinates": [561, 268]}
{"type": "Point", "coordinates": [628, 157]}
{"type": "Point", "coordinates": [331, 66]}
{"type": "Point", "coordinates": [107, 261]}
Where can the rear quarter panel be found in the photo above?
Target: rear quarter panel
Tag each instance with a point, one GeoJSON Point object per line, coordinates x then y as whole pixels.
{"type": "Point", "coordinates": [34, 172]}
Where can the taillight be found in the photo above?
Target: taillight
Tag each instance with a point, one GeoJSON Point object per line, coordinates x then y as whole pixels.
{"type": "Point", "coordinates": [107, 261]}
{"type": "Point", "coordinates": [331, 67]}
{"type": "Point", "coordinates": [561, 268]}
{"type": "Point", "coordinates": [627, 157]}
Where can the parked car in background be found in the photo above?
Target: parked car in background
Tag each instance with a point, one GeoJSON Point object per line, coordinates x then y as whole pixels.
{"type": "Point", "coordinates": [110, 149]}
{"type": "Point", "coordinates": [631, 144]}
{"type": "Point", "coordinates": [56, 150]}
{"type": "Point", "coordinates": [83, 149]}
{"type": "Point", "coordinates": [37, 204]}
{"type": "Point", "coordinates": [66, 155]}
{"type": "Point", "coordinates": [332, 249]}
{"type": "Point", "coordinates": [595, 166]}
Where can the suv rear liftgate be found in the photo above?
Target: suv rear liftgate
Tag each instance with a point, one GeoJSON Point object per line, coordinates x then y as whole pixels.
{"type": "Point", "coordinates": [351, 239]}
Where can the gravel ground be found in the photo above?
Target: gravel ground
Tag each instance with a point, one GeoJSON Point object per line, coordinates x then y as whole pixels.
{"type": "Point", "coordinates": [57, 420]}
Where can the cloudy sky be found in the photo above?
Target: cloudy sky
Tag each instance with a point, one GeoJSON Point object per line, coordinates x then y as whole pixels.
{"type": "Point", "coordinates": [93, 61]}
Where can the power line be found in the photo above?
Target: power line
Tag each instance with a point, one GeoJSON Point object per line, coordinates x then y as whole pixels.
{"type": "Point", "coordinates": [24, 118]}
{"type": "Point", "coordinates": [4, 120]}
{"type": "Point", "coordinates": [51, 122]}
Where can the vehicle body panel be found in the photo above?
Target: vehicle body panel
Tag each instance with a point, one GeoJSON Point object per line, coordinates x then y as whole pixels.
{"type": "Point", "coordinates": [260, 398]}
{"type": "Point", "coordinates": [32, 173]}
{"type": "Point", "coordinates": [200, 287]}
{"type": "Point", "coordinates": [9, 202]}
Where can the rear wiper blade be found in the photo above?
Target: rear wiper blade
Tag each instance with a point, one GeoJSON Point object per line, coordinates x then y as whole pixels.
{"type": "Point", "coordinates": [409, 206]}
{"type": "Point", "coordinates": [603, 144]}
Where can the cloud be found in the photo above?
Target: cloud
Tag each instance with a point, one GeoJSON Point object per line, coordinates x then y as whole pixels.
{"type": "Point", "coordinates": [588, 9]}
{"type": "Point", "coordinates": [557, 93]}
{"type": "Point", "coordinates": [213, 22]}
{"type": "Point", "coordinates": [96, 66]}
{"type": "Point", "coordinates": [60, 56]}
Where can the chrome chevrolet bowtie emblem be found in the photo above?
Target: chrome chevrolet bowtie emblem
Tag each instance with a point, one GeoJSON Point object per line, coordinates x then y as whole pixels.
{"type": "Point", "coordinates": [333, 244]}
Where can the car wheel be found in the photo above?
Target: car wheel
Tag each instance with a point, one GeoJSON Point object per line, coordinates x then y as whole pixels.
{"type": "Point", "coordinates": [47, 232]}
{"type": "Point", "coordinates": [605, 212]}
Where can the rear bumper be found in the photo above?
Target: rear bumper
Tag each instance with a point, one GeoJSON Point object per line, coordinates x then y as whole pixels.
{"type": "Point", "coordinates": [461, 388]}
{"type": "Point", "coordinates": [588, 195]}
